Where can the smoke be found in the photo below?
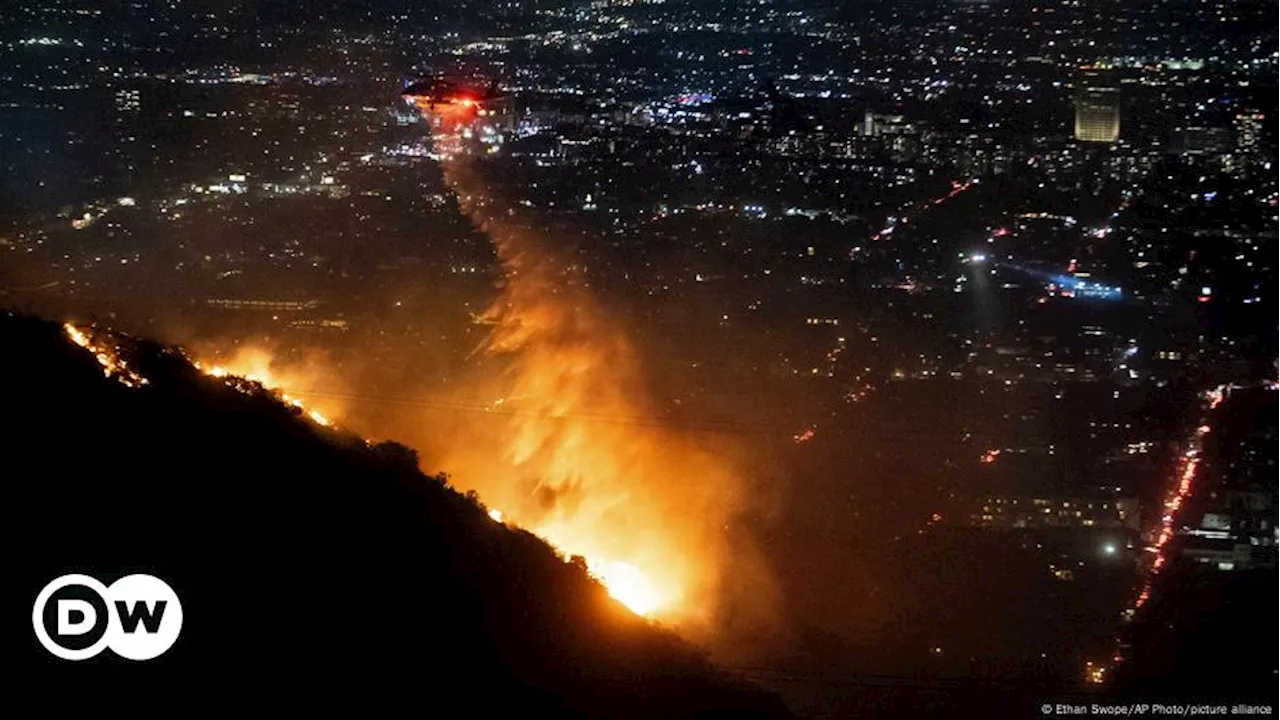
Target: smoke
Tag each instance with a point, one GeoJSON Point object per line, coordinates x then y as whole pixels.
{"type": "Point", "coordinates": [582, 455]}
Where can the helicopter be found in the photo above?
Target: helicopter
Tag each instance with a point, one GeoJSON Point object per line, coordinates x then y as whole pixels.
{"type": "Point", "coordinates": [439, 95]}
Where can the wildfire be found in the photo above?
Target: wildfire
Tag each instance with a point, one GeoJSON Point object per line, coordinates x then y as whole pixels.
{"type": "Point", "coordinates": [624, 581]}
{"type": "Point", "coordinates": [575, 531]}
{"type": "Point", "coordinates": [645, 506]}
{"type": "Point", "coordinates": [113, 365]}
{"type": "Point", "coordinates": [108, 357]}
{"type": "Point", "coordinates": [629, 586]}
{"type": "Point", "coordinates": [645, 593]}
{"type": "Point", "coordinates": [257, 366]}
{"type": "Point", "coordinates": [572, 531]}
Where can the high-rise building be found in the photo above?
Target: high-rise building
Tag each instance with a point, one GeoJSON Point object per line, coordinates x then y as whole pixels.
{"type": "Point", "coordinates": [1248, 127]}
{"type": "Point", "coordinates": [1197, 140]}
{"type": "Point", "coordinates": [128, 100]}
{"type": "Point", "coordinates": [1097, 100]}
{"type": "Point", "coordinates": [877, 124]}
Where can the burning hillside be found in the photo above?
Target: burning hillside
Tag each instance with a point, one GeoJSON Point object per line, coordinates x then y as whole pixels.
{"type": "Point", "coordinates": [319, 571]}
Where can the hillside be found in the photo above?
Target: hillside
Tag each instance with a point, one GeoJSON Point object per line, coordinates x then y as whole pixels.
{"type": "Point", "coordinates": [319, 575]}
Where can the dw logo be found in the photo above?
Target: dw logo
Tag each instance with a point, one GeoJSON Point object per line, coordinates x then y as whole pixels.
{"type": "Point", "coordinates": [138, 617]}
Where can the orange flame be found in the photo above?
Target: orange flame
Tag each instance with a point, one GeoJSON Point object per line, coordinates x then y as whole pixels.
{"type": "Point", "coordinates": [257, 364]}
{"type": "Point", "coordinates": [646, 507]}
{"type": "Point", "coordinates": [107, 356]}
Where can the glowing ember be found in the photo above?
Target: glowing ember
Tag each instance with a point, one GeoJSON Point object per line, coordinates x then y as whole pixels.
{"type": "Point", "coordinates": [107, 356]}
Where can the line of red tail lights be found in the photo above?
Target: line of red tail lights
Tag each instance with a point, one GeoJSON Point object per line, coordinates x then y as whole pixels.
{"type": "Point", "coordinates": [957, 187]}
{"type": "Point", "coordinates": [1188, 469]}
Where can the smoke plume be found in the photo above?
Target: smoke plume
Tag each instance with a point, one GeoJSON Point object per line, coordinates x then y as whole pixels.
{"type": "Point", "coordinates": [583, 456]}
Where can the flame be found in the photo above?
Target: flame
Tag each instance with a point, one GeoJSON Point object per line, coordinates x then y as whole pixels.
{"type": "Point", "coordinates": [108, 356]}
{"type": "Point", "coordinates": [113, 365]}
{"type": "Point", "coordinates": [258, 365]}
{"type": "Point", "coordinates": [629, 586]}
{"type": "Point", "coordinates": [638, 504]}
{"type": "Point", "coordinates": [624, 581]}
{"type": "Point", "coordinates": [603, 529]}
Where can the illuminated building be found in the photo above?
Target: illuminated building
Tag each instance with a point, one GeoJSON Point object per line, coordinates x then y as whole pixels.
{"type": "Point", "coordinates": [1238, 533]}
{"type": "Point", "coordinates": [900, 137]}
{"type": "Point", "coordinates": [1202, 140]}
{"type": "Point", "coordinates": [321, 324]}
{"type": "Point", "coordinates": [265, 305]}
{"type": "Point", "coordinates": [1248, 127]}
{"type": "Point", "coordinates": [875, 125]}
{"type": "Point", "coordinates": [1051, 512]}
{"type": "Point", "coordinates": [1223, 553]}
{"type": "Point", "coordinates": [128, 101]}
{"type": "Point", "coordinates": [1097, 108]}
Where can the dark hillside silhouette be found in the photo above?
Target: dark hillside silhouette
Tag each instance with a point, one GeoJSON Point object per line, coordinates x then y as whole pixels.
{"type": "Point", "coordinates": [319, 576]}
